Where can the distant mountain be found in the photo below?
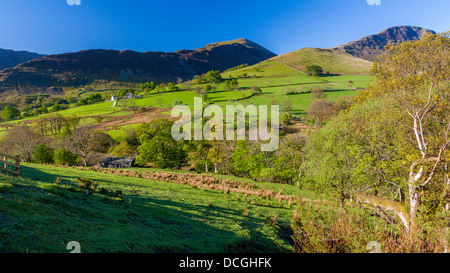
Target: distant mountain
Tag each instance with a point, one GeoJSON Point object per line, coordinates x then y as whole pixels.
{"type": "Point", "coordinates": [11, 58]}
{"type": "Point", "coordinates": [371, 46]}
{"type": "Point", "coordinates": [84, 67]}
{"type": "Point", "coordinates": [332, 61]}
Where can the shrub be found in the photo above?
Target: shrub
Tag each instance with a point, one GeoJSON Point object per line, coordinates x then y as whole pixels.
{"type": "Point", "coordinates": [321, 229]}
{"type": "Point", "coordinates": [87, 184]}
{"type": "Point", "coordinates": [43, 154]}
{"type": "Point", "coordinates": [65, 157]}
{"type": "Point", "coordinates": [256, 90]}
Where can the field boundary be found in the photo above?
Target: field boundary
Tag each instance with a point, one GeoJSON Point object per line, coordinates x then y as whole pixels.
{"type": "Point", "coordinates": [10, 165]}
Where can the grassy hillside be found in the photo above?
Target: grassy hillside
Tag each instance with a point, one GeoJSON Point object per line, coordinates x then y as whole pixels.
{"type": "Point", "coordinates": [39, 215]}
{"type": "Point", "coordinates": [335, 62]}
{"type": "Point", "coordinates": [276, 78]}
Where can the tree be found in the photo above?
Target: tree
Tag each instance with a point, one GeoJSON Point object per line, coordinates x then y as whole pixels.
{"type": "Point", "coordinates": [122, 150]}
{"type": "Point", "coordinates": [43, 154]}
{"type": "Point", "coordinates": [172, 87]}
{"type": "Point", "coordinates": [198, 79]}
{"type": "Point", "coordinates": [318, 94]}
{"type": "Point", "coordinates": [9, 113]}
{"type": "Point", "coordinates": [198, 155]}
{"type": "Point", "coordinates": [200, 91]}
{"type": "Point", "coordinates": [65, 157]}
{"type": "Point", "coordinates": [288, 160]}
{"type": "Point", "coordinates": [21, 140]}
{"type": "Point", "coordinates": [158, 146]}
{"type": "Point", "coordinates": [228, 85]}
{"type": "Point", "coordinates": [314, 70]}
{"type": "Point", "coordinates": [188, 86]}
{"type": "Point", "coordinates": [213, 76]}
{"type": "Point", "coordinates": [417, 82]}
{"type": "Point", "coordinates": [133, 107]}
{"type": "Point", "coordinates": [287, 105]}
{"type": "Point", "coordinates": [350, 84]}
{"type": "Point", "coordinates": [159, 101]}
{"type": "Point", "coordinates": [256, 90]}
{"type": "Point", "coordinates": [55, 108]}
{"type": "Point", "coordinates": [208, 88]}
{"type": "Point", "coordinates": [247, 159]}
{"type": "Point", "coordinates": [147, 87]}
{"type": "Point", "coordinates": [86, 142]}
{"type": "Point", "coordinates": [123, 92]}
{"type": "Point", "coordinates": [321, 110]}
{"type": "Point", "coordinates": [235, 84]}
{"type": "Point", "coordinates": [391, 148]}
{"type": "Point", "coordinates": [73, 121]}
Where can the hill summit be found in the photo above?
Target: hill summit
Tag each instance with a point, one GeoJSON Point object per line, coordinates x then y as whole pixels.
{"type": "Point", "coordinates": [372, 46]}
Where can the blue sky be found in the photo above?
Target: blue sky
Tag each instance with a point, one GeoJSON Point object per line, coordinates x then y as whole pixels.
{"type": "Point", "coordinates": [52, 26]}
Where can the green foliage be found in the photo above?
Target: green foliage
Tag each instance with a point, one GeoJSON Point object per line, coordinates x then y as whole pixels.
{"type": "Point", "coordinates": [147, 87]}
{"type": "Point", "coordinates": [43, 154]}
{"type": "Point", "coordinates": [94, 98]}
{"type": "Point", "coordinates": [213, 76]}
{"type": "Point", "coordinates": [157, 145]}
{"type": "Point", "coordinates": [57, 107]}
{"type": "Point", "coordinates": [285, 119]}
{"type": "Point", "coordinates": [65, 157]}
{"type": "Point", "coordinates": [172, 87]}
{"type": "Point", "coordinates": [122, 150]}
{"type": "Point", "coordinates": [236, 67]}
{"type": "Point", "coordinates": [87, 184]}
{"type": "Point", "coordinates": [198, 79]}
{"type": "Point", "coordinates": [9, 113]}
{"type": "Point", "coordinates": [256, 90]}
{"type": "Point", "coordinates": [247, 159]}
{"type": "Point", "coordinates": [123, 92]}
{"type": "Point", "coordinates": [314, 70]}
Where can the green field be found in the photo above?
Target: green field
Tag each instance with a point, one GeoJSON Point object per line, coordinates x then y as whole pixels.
{"type": "Point", "coordinates": [275, 77]}
{"type": "Point", "coordinates": [38, 215]}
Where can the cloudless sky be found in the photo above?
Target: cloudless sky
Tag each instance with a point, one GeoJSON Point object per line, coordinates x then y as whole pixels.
{"type": "Point", "coordinates": [53, 26]}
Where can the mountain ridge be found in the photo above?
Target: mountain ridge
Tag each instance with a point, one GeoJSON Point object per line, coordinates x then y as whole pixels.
{"type": "Point", "coordinates": [84, 67]}
{"type": "Point", "coordinates": [371, 46]}
{"type": "Point", "coordinates": [10, 58]}
{"type": "Point", "coordinates": [50, 74]}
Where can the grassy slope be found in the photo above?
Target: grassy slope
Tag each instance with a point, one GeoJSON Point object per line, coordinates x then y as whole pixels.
{"type": "Point", "coordinates": [276, 78]}
{"type": "Point", "coordinates": [40, 216]}
{"type": "Point", "coordinates": [335, 62]}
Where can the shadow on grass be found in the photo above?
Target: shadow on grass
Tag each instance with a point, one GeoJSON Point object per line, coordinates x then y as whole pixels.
{"type": "Point", "coordinates": [135, 223]}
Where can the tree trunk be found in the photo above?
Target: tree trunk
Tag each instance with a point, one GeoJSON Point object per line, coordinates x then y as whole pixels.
{"type": "Point", "coordinates": [447, 205]}
{"type": "Point", "coordinates": [414, 201]}
{"type": "Point", "coordinates": [413, 191]}
{"type": "Point", "coordinates": [387, 205]}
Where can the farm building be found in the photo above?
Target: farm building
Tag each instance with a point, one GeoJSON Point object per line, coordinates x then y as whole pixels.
{"type": "Point", "coordinates": [117, 162]}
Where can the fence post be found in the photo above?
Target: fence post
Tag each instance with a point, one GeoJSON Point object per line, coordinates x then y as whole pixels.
{"type": "Point", "coordinates": [6, 164]}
